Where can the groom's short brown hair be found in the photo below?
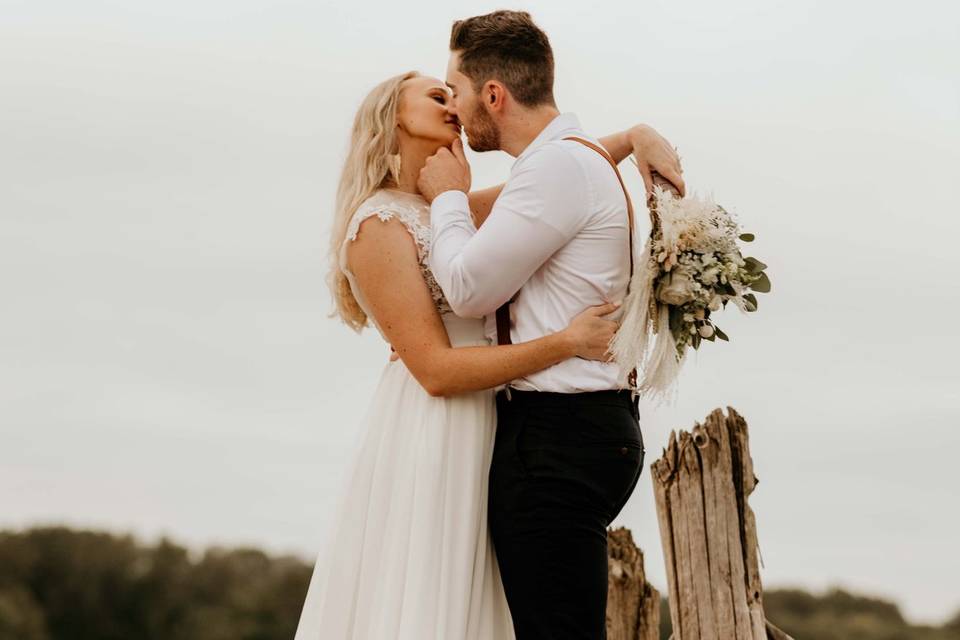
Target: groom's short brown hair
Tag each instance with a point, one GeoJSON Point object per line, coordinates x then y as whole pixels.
{"type": "Point", "coordinates": [509, 47]}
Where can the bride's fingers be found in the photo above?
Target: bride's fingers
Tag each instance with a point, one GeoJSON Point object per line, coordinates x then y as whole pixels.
{"type": "Point", "coordinates": [457, 148]}
{"type": "Point", "coordinates": [602, 309]}
{"type": "Point", "coordinates": [644, 169]}
{"type": "Point", "coordinates": [674, 178]}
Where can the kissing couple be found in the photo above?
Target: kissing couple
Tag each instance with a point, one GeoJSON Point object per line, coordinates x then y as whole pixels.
{"type": "Point", "coordinates": [501, 440]}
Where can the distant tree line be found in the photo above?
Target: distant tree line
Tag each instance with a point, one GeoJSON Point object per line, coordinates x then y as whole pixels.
{"type": "Point", "coordinates": [58, 583]}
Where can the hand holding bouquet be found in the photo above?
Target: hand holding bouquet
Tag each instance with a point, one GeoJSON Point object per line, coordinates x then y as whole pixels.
{"type": "Point", "coordinates": [691, 267]}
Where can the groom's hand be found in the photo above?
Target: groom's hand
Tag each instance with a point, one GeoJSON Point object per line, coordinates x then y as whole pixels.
{"type": "Point", "coordinates": [446, 170]}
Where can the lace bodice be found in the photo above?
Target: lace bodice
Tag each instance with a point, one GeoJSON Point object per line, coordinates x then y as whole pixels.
{"type": "Point", "coordinates": [414, 212]}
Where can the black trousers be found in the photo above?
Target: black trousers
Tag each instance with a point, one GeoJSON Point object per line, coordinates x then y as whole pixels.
{"type": "Point", "coordinates": [563, 467]}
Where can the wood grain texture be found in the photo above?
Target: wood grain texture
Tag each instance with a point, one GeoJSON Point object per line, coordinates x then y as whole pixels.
{"type": "Point", "coordinates": [633, 605]}
{"type": "Point", "coordinates": [708, 532]}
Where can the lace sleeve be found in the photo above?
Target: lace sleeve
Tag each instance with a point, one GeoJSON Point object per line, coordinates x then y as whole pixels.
{"type": "Point", "coordinates": [419, 230]}
{"type": "Point", "coordinates": [410, 220]}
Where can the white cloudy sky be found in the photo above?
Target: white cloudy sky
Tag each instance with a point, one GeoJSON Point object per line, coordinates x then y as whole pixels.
{"type": "Point", "coordinates": [166, 362]}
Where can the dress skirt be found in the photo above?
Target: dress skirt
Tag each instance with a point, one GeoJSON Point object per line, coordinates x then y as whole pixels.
{"type": "Point", "coordinates": [408, 556]}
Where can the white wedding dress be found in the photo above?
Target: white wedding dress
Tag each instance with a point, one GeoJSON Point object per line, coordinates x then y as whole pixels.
{"type": "Point", "coordinates": [409, 555]}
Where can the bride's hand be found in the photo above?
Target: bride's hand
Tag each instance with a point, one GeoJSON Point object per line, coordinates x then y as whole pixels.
{"type": "Point", "coordinates": [654, 153]}
{"type": "Point", "coordinates": [590, 333]}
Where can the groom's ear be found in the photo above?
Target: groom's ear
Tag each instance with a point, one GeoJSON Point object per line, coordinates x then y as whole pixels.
{"type": "Point", "coordinates": [495, 95]}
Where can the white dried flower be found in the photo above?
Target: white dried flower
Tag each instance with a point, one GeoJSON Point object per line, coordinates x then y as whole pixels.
{"type": "Point", "coordinates": [676, 289]}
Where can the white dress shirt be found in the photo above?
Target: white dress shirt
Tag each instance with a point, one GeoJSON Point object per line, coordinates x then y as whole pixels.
{"type": "Point", "coordinates": [558, 234]}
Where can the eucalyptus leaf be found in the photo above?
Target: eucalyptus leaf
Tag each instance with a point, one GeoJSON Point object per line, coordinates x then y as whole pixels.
{"type": "Point", "coordinates": [762, 285]}
{"type": "Point", "coordinates": [751, 301]}
{"type": "Point", "coordinates": [720, 334]}
{"type": "Point", "coordinates": [754, 265]}
{"type": "Point", "coordinates": [747, 237]}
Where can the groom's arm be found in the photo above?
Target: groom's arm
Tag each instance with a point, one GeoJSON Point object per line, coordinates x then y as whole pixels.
{"type": "Point", "coordinates": [540, 210]}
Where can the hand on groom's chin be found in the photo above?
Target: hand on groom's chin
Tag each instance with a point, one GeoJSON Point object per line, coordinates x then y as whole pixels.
{"type": "Point", "coordinates": [446, 170]}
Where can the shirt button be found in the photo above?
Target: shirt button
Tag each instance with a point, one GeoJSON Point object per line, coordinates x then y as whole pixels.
{"type": "Point", "coordinates": [623, 451]}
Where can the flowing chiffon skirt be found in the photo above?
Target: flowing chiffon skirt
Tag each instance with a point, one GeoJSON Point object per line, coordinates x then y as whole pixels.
{"type": "Point", "coordinates": [409, 554]}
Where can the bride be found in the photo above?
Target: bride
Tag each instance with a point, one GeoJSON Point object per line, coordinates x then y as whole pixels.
{"type": "Point", "coordinates": [409, 556]}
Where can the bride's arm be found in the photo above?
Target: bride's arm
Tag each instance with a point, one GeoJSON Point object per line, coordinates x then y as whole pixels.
{"type": "Point", "coordinates": [481, 203]}
{"type": "Point", "coordinates": [383, 260]}
{"type": "Point", "coordinates": [652, 151]}
{"type": "Point", "coordinates": [620, 144]}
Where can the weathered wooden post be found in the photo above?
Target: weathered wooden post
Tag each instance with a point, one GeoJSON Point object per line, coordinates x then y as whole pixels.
{"type": "Point", "coordinates": [701, 484]}
{"type": "Point", "coordinates": [633, 605]}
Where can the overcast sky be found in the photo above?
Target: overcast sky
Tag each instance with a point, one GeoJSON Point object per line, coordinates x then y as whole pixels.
{"type": "Point", "coordinates": [167, 172]}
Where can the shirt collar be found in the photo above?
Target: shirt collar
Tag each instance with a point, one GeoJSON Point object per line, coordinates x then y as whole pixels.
{"type": "Point", "coordinates": [563, 125]}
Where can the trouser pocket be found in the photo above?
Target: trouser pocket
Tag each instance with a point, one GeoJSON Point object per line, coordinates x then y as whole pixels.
{"type": "Point", "coordinates": [593, 454]}
{"type": "Point", "coordinates": [636, 455]}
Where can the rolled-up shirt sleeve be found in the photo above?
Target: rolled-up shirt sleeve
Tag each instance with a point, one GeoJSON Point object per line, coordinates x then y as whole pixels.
{"type": "Point", "coordinates": [539, 210]}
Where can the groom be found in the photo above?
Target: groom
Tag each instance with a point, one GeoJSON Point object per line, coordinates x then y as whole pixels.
{"type": "Point", "coordinates": [568, 449]}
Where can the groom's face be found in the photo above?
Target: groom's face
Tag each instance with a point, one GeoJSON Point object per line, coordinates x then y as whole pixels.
{"type": "Point", "coordinates": [482, 131]}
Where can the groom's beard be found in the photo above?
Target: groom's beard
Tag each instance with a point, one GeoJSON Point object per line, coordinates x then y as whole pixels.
{"type": "Point", "coordinates": [483, 134]}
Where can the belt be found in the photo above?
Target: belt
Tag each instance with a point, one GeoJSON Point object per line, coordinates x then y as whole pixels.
{"type": "Point", "coordinates": [554, 398]}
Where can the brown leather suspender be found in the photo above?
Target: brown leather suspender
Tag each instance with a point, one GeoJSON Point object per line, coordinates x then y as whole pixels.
{"type": "Point", "coordinates": [503, 322]}
{"type": "Point", "coordinates": [616, 170]}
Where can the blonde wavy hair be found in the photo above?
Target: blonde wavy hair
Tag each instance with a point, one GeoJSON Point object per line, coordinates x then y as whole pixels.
{"type": "Point", "coordinates": [373, 162]}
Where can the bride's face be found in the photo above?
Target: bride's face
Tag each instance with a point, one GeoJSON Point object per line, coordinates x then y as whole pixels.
{"type": "Point", "coordinates": [422, 115]}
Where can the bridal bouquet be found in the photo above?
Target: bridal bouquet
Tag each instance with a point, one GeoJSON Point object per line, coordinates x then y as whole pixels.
{"type": "Point", "coordinates": [691, 267]}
